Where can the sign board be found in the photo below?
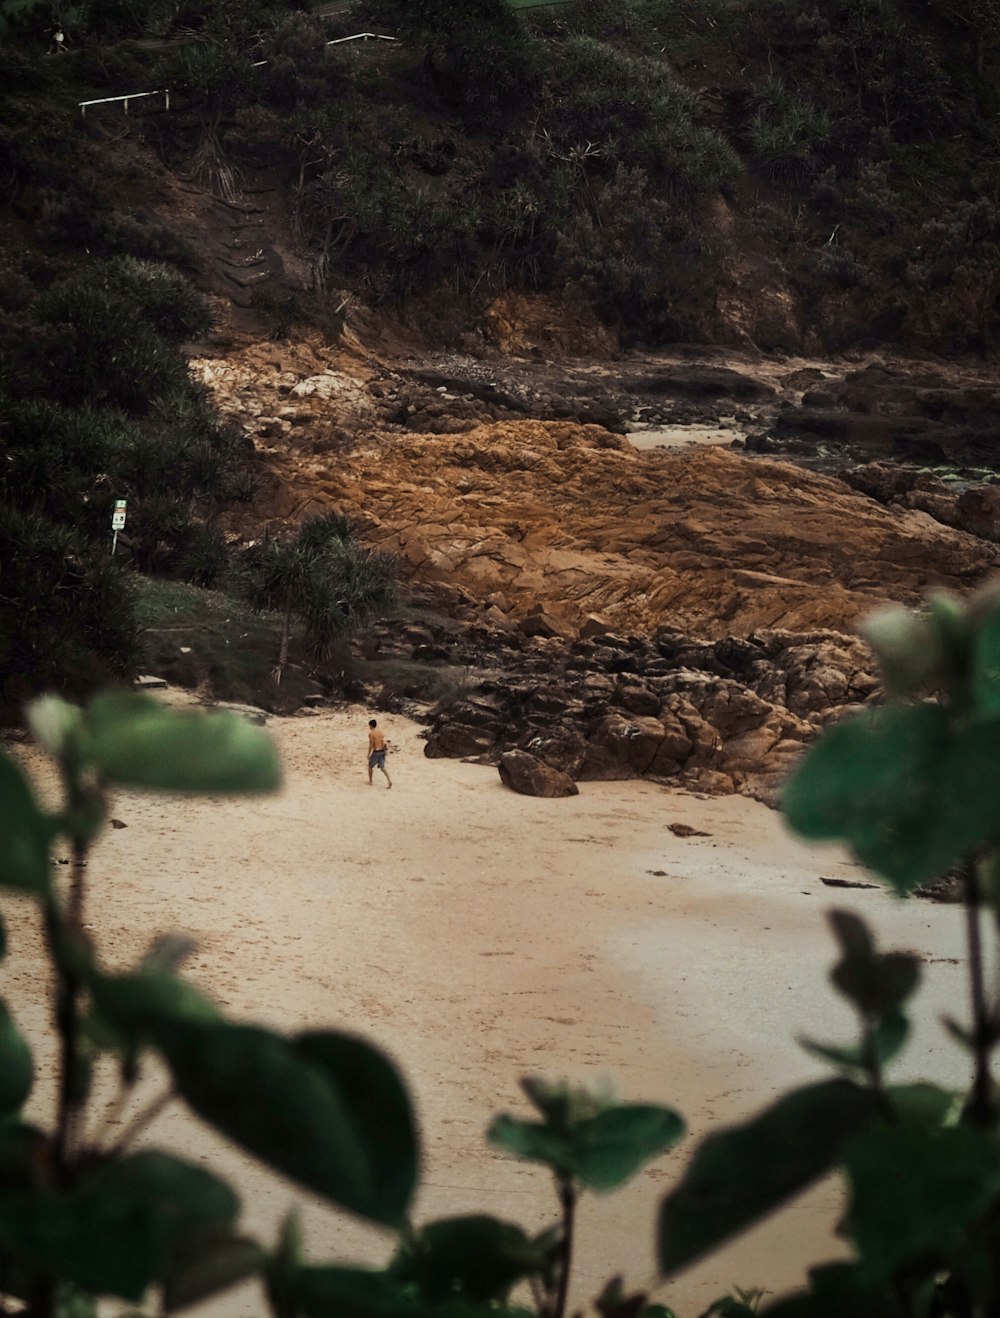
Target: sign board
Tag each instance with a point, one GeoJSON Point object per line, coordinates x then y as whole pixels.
{"type": "Point", "coordinates": [118, 516]}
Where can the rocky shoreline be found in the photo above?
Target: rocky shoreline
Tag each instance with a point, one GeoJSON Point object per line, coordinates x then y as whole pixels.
{"type": "Point", "coordinates": [617, 612]}
{"type": "Point", "coordinates": [731, 715]}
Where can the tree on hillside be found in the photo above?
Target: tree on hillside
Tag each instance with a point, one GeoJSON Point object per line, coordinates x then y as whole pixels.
{"type": "Point", "coordinates": [978, 19]}
{"type": "Point", "coordinates": [477, 51]}
{"type": "Point", "coordinates": [321, 576]}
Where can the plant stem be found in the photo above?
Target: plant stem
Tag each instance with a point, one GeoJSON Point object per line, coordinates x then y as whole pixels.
{"type": "Point", "coordinates": [43, 1298]}
{"type": "Point", "coordinates": [876, 1076]}
{"type": "Point", "coordinates": [67, 1027]}
{"type": "Point", "coordinates": [980, 1108]}
{"type": "Point", "coordinates": [567, 1198]}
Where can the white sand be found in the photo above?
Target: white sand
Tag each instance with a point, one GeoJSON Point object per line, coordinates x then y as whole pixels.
{"type": "Point", "coordinates": [480, 936]}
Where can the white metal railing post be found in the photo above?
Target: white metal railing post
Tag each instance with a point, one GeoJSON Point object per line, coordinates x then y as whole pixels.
{"type": "Point", "coordinates": [165, 92]}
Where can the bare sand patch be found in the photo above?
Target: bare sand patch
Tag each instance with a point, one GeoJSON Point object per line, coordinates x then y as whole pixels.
{"type": "Point", "coordinates": [479, 936]}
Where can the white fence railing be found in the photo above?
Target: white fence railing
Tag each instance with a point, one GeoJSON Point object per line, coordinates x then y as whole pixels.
{"type": "Point", "coordinates": [132, 96]}
{"type": "Point", "coordinates": [165, 93]}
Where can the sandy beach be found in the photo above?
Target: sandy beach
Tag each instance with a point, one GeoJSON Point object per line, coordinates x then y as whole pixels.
{"type": "Point", "coordinates": [480, 936]}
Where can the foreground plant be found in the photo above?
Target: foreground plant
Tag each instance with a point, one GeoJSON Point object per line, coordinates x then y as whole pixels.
{"type": "Point", "coordinates": [912, 787]}
{"type": "Point", "coordinates": [83, 1214]}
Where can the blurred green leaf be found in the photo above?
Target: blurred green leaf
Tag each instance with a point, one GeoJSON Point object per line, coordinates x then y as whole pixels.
{"type": "Point", "coordinates": [851, 932]}
{"type": "Point", "coordinates": [206, 1264]}
{"type": "Point", "coordinates": [532, 1140]}
{"type": "Point", "coordinates": [611, 1147]}
{"type": "Point", "coordinates": [74, 1303]}
{"type": "Point", "coordinates": [24, 1154]}
{"type": "Point", "coordinates": [601, 1151]}
{"type": "Point", "coordinates": [352, 1293]}
{"type": "Point", "coordinates": [890, 1036]}
{"type": "Point", "coordinates": [55, 726]}
{"type": "Point", "coordinates": [880, 985]}
{"type": "Point", "coordinates": [380, 1112]}
{"type": "Point", "coordinates": [849, 1057]}
{"type": "Point", "coordinates": [613, 1302]}
{"type": "Point", "coordinates": [101, 1235]}
{"type": "Point", "coordinates": [985, 675]}
{"type": "Point", "coordinates": [741, 1305]}
{"type": "Point", "coordinates": [914, 1189]}
{"type": "Point", "coordinates": [133, 740]}
{"type": "Point", "coordinates": [908, 794]}
{"type": "Point", "coordinates": [135, 1005]}
{"type": "Point", "coordinates": [740, 1175]}
{"type": "Point", "coordinates": [835, 1291]}
{"type": "Point", "coordinates": [112, 1232]}
{"type": "Point", "coordinates": [331, 1133]}
{"type": "Point", "coordinates": [167, 953]}
{"type": "Point", "coordinates": [25, 833]}
{"type": "Point", "coordinates": [477, 1257]}
{"type": "Point", "coordinates": [187, 1197]}
{"type": "Point", "coordinates": [17, 1067]}
{"type": "Point", "coordinates": [924, 1106]}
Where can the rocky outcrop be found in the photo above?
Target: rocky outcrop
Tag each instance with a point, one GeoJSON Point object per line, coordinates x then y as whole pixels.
{"type": "Point", "coordinates": [681, 615]}
{"type": "Point", "coordinates": [912, 414]}
{"type": "Point", "coordinates": [728, 716]}
{"type": "Point", "coordinates": [572, 520]}
{"type": "Point", "coordinates": [975, 509]}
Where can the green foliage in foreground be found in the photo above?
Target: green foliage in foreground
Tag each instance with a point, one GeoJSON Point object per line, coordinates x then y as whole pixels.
{"type": "Point", "coordinates": [910, 788]}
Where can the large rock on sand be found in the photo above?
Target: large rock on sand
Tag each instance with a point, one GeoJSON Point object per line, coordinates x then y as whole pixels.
{"type": "Point", "coordinates": [522, 773]}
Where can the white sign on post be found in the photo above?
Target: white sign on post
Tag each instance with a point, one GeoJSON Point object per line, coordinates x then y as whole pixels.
{"type": "Point", "coordinates": [117, 522]}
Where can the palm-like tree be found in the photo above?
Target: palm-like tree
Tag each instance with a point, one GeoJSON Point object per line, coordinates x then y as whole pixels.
{"type": "Point", "coordinates": [321, 576]}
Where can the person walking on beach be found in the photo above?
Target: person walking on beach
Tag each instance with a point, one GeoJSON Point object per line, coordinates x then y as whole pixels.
{"type": "Point", "coordinates": [376, 752]}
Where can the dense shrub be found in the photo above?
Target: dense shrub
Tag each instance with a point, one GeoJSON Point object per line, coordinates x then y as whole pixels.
{"type": "Point", "coordinates": [68, 463]}
{"type": "Point", "coordinates": [300, 71]}
{"type": "Point", "coordinates": [397, 233]}
{"type": "Point", "coordinates": [112, 331]}
{"type": "Point", "coordinates": [786, 130]}
{"type": "Point", "coordinates": [64, 221]}
{"type": "Point", "coordinates": [116, 20]}
{"type": "Point", "coordinates": [483, 59]}
{"type": "Point", "coordinates": [216, 78]}
{"type": "Point", "coordinates": [164, 299]}
{"type": "Point", "coordinates": [640, 264]}
{"type": "Point", "coordinates": [603, 19]}
{"type": "Point", "coordinates": [680, 22]}
{"type": "Point", "coordinates": [634, 113]}
{"type": "Point", "coordinates": [68, 613]}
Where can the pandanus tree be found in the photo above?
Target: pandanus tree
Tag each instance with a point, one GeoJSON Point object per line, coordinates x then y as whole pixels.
{"type": "Point", "coordinates": [322, 577]}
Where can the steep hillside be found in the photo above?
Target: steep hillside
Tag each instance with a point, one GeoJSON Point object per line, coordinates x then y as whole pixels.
{"type": "Point", "coordinates": [698, 170]}
{"type": "Point", "coordinates": [585, 178]}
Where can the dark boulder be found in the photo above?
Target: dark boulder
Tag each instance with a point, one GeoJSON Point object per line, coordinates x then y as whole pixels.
{"type": "Point", "coordinates": [523, 773]}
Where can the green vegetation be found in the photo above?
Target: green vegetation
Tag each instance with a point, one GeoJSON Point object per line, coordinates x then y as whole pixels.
{"type": "Point", "coordinates": [320, 575]}
{"type": "Point", "coordinates": [648, 159]}
{"type": "Point", "coordinates": [911, 787]}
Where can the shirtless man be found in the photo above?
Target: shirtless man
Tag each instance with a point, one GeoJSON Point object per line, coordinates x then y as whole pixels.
{"type": "Point", "coordinates": [376, 752]}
